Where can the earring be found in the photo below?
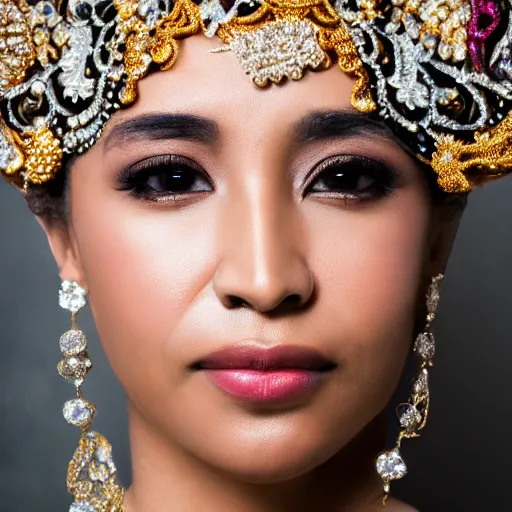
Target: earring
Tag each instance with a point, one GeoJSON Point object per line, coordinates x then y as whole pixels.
{"type": "Point", "coordinates": [413, 414]}
{"type": "Point", "coordinates": [91, 477]}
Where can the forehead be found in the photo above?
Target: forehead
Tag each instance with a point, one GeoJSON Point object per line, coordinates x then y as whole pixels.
{"type": "Point", "coordinates": [214, 85]}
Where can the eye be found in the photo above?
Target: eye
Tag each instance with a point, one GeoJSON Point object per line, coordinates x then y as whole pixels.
{"type": "Point", "coordinates": [164, 178]}
{"type": "Point", "coordinates": [352, 177]}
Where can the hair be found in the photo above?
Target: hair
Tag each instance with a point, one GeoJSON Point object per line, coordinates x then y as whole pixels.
{"type": "Point", "coordinates": [50, 200]}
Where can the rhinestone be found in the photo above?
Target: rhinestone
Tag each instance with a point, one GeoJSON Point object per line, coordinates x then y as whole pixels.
{"type": "Point", "coordinates": [411, 26]}
{"type": "Point", "coordinates": [72, 296]}
{"type": "Point", "coordinates": [434, 290]}
{"type": "Point", "coordinates": [409, 417]}
{"type": "Point", "coordinates": [75, 373]}
{"type": "Point", "coordinates": [247, 8]}
{"type": "Point", "coordinates": [37, 88]}
{"type": "Point", "coordinates": [390, 465]}
{"type": "Point", "coordinates": [391, 28]}
{"type": "Point", "coordinates": [429, 41]}
{"type": "Point", "coordinates": [83, 11]}
{"type": "Point", "coordinates": [396, 15]}
{"type": "Point", "coordinates": [60, 35]}
{"type": "Point", "coordinates": [442, 13]}
{"type": "Point", "coordinates": [72, 342]}
{"type": "Point", "coordinates": [445, 50]}
{"type": "Point", "coordinates": [47, 9]}
{"type": "Point", "coordinates": [420, 385]}
{"type": "Point", "coordinates": [81, 507]}
{"type": "Point", "coordinates": [277, 50]}
{"type": "Point", "coordinates": [425, 345]}
{"type": "Point", "coordinates": [78, 412]}
{"type": "Point", "coordinates": [459, 52]}
{"type": "Point", "coordinates": [447, 156]}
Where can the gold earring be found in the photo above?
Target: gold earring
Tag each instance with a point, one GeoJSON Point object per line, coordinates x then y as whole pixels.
{"type": "Point", "coordinates": [413, 414]}
{"type": "Point", "coordinates": [91, 477]}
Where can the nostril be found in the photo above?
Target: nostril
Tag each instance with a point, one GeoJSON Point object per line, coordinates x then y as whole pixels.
{"type": "Point", "coordinates": [293, 300]}
{"type": "Point", "coordinates": [236, 302]}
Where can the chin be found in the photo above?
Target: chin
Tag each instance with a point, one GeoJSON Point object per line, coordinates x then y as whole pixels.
{"type": "Point", "coordinates": [269, 449]}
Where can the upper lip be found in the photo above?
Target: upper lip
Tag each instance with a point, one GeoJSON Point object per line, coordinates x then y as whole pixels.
{"type": "Point", "coordinates": [265, 358]}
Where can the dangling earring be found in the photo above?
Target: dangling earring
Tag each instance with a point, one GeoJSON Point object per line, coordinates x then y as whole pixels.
{"type": "Point", "coordinates": [91, 475]}
{"type": "Point", "coordinates": [413, 414]}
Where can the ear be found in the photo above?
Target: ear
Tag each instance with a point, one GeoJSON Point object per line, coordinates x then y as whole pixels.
{"type": "Point", "coordinates": [446, 219]}
{"type": "Point", "coordinates": [64, 249]}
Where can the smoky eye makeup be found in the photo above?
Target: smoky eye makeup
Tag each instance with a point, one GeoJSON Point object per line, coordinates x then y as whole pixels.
{"type": "Point", "coordinates": [164, 178]}
{"type": "Point", "coordinates": [351, 178]}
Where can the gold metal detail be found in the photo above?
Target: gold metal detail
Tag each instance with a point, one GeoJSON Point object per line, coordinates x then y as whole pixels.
{"type": "Point", "coordinates": [413, 414]}
{"type": "Point", "coordinates": [43, 155]}
{"type": "Point", "coordinates": [17, 52]}
{"type": "Point", "coordinates": [144, 46]}
{"type": "Point", "coordinates": [331, 33]}
{"type": "Point", "coordinates": [490, 155]}
{"type": "Point", "coordinates": [91, 475]}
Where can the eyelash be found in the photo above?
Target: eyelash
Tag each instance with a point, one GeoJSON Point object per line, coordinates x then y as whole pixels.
{"type": "Point", "coordinates": [135, 179]}
{"type": "Point", "coordinates": [347, 170]}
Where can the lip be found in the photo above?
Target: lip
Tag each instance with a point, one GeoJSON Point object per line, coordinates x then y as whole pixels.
{"type": "Point", "coordinates": [257, 374]}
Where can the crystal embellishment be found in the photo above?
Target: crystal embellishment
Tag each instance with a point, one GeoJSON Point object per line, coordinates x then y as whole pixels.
{"type": "Point", "coordinates": [425, 345]}
{"type": "Point", "coordinates": [82, 507]}
{"type": "Point", "coordinates": [420, 385]}
{"type": "Point", "coordinates": [409, 417]}
{"type": "Point", "coordinates": [78, 412]}
{"type": "Point", "coordinates": [434, 291]}
{"type": "Point", "coordinates": [390, 465]}
{"type": "Point", "coordinates": [72, 296]}
{"type": "Point", "coordinates": [72, 343]}
{"type": "Point", "coordinates": [277, 50]}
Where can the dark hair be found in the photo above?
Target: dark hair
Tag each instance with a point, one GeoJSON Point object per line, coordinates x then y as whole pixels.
{"type": "Point", "coordinates": [50, 200]}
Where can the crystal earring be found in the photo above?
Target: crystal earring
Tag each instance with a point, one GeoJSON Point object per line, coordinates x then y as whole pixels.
{"type": "Point", "coordinates": [413, 414]}
{"type": "Point", "coordinates": [91, 475]}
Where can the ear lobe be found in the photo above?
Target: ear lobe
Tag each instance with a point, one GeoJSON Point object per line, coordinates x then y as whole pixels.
{"type": "Point", "coordinates": [64, 250]}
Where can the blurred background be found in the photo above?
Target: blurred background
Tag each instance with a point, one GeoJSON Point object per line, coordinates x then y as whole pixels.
{"type": "Point", "coordinates": [462, 462]}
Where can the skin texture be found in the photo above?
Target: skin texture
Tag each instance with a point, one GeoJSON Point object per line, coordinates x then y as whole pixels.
{"type": "Point", "coordinates": [171, 282]}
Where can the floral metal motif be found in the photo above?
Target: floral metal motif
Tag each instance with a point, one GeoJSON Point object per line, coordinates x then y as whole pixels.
{"type": "Point", "coordinates": [65, 68]}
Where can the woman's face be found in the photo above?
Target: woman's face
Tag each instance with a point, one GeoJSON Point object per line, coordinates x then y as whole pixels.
{"type": "Point", "coordinates": [213, 214]}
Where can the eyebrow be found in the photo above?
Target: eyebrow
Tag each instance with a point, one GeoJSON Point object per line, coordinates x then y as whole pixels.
{"type": "Point", "coordinates": [319, 126]}
{"type": "Point", "coordinates": [163, 127]}
{"type": "Point", "coordinates": [314, 127]}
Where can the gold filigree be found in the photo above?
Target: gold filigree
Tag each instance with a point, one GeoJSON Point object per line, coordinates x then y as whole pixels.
{"type": "Point", "coordinates": [490, 155]}
{"type": "Point", "coordinates": [91, 477]}
{"type": "Point", "coordinates": [159, 45]}
{"type": "Point", "coordinates": [184, 21]}
{"type": "Point", "coordinates": [331, 34]}
{"type": "Point", "coordinates": [43, 155]}
{"type": "Point", "coordinates": [17, 52]}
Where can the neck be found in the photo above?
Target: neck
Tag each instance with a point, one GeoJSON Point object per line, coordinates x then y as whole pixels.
{"type": "Point", "coordinates": [168, 479]}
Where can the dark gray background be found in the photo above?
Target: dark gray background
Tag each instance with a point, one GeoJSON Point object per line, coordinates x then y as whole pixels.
{"type": "Point", "coordinates": [461, 463]}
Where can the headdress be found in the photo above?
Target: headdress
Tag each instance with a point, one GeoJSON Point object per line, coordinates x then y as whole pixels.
{"type": "Point", "coordinates": [437, 72]}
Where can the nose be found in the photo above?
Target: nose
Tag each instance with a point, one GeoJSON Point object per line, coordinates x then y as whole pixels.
{"type": "Point", "coordinates": [263, 264]}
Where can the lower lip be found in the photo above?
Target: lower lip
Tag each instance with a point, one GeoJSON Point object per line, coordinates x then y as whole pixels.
{"type": "Point", "coordinates": [265, 386]}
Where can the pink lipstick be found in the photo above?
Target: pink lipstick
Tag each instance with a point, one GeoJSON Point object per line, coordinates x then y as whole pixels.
{"type": "Point", "coordinates": [258, 374]}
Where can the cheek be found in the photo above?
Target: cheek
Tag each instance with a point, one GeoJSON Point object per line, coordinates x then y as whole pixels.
{"type": "Point", "coordinates": [143, 269]}
{"type": "Point", "coordinates": [369, 265]}
{"type": "Point", "coordinates": [149, 275]}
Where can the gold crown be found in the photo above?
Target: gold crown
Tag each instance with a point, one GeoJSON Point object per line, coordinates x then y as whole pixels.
{"type": "Point", "coordinates": [426, 68]}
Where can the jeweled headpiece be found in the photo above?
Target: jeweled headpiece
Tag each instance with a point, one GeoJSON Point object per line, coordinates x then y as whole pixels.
{"type": "Point", "coordinates": [437, 72]}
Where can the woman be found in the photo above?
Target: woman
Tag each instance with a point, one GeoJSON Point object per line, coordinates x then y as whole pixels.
{"type": "Point", "coordinates": [260, 259]}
